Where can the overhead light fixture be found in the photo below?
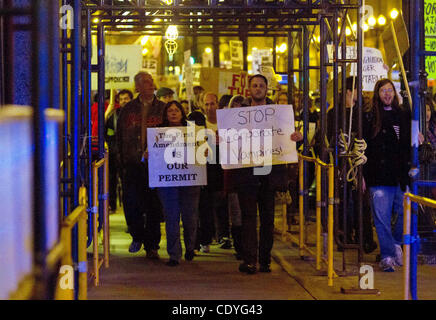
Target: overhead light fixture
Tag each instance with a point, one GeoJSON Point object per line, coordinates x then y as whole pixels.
{"type": "Point", "coordinates": [348, 31]}
{"type": "Point", "coordinates": [144, 51]}
{"type": "Point", "coordinates": [381, 20]}
{"type": "Point", "coordinates": [208, 50]}
{"type": "Point", "coordinates": [394, 13]}
{"type": "Point", "coordinates": [372, 21]}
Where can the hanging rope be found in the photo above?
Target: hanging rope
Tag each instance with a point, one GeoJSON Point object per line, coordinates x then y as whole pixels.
{"type": "Point", "coordinates": [356, 156]}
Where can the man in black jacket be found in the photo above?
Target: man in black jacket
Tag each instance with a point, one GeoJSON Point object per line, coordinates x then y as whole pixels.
{"type": "Point", "coordinates": [258, 190]}
{"type": "Point", "coordinates": [138, 199]}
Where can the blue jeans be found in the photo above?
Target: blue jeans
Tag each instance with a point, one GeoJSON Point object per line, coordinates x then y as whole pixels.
{"type": "Point", "coordinates": [176, 202]}
{"type": "Point", "coordinates": [386, 200]}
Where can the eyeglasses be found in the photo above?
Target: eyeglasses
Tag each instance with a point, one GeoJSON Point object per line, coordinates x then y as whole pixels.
{"type": "Point", "coordinates": [386, 90]}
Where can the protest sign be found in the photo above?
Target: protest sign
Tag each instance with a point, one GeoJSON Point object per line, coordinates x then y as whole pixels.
{"type": "Point", "coordinates": [122, 63]}
{"type": "Point", "coordinates": [236, 54]}
{"type": "Point", "coordinates": [171, 158]}
{"type": "Point", "coordinates": [253, 136]}
{"type": "Point", "coordinates": [430, 36]}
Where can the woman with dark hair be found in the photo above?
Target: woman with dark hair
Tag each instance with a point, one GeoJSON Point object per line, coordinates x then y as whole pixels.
{"type": "Point", "coordinates": [179, 201]}
{"type": "Point", "coordinates": [386, 129]}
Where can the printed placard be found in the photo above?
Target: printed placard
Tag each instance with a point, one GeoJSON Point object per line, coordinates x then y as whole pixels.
{"type": "Point", "coordinates": [171, 158]}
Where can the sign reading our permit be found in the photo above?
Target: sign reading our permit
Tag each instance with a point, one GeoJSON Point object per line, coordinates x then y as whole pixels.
{"type": "Point", "coordinates": [171, 158]}
{"type": "Point", "coordinates": [256, 136]}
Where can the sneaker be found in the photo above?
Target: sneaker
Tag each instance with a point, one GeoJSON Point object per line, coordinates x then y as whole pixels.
{"type": "Point", "coordinates": [204, 248]}
{"type": "Point", "coordinates": [189, 255]}
{"type": "Point", "coordinates": [398, 255]}
{"type": "Point", "coordinates": [152, 254]}
{"type": "Point", "coordinates": [264, 268]}
{"type": "Point", "coordinates": [226, 244]}
{"type": "Point", "coordinates": [172, 263]}
{"type": "Point", "coordinates": [247, 268]}
{"type": "Point", "coordinates": [135, 246]}
{"type": "Point", "coordinates": [387, 264]}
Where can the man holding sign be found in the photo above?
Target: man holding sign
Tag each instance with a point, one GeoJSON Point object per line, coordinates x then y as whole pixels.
{"type": "Point", "coordinates": [257, 186]}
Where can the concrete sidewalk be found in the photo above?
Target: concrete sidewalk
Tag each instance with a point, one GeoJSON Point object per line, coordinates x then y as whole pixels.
{"type": "Point", "coordinates": [390, 285]}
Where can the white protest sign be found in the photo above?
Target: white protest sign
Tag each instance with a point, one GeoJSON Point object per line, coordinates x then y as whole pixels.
{"type": "Point", "coordinates": [253, 136]}
{"type": "Point", "coordinates": [171, 152]}
{"type": "Point", "coordinates": [373, 66]}
{"type": "Point", "coordinates": [236, 54]}
{"type": "Point", "coordinates": [122, 63]}
{"type": "Point", "coordinates": [261, 57]}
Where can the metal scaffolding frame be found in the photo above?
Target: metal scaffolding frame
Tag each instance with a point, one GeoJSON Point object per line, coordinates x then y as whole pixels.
{"type": "Point", "coordinates": [243, 19]}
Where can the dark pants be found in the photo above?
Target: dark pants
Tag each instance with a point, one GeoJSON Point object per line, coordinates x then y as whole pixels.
{"type": "Point", "coordinates": [248, 201]}
{"type": "Point", "coordinates": [142, 207]}
{"type": "Point", "coordinates": [113, 180]}
{"type": "Point", "coordinates": [206, 226]}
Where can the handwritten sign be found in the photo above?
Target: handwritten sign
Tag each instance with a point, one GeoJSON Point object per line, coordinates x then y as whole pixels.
{"type": "Point", "coordinates": [234, 83]}
{"type": "Point", "coordinates": [122, 63]}
{"type": "Point", "coordinates": [253, 136]}
{"type": "Point", "coordinates": [170, 151]}
{"type": "Point", "coordinates": [430, 36]}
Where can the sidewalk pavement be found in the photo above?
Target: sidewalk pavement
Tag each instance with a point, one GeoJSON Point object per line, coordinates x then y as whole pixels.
{"type": "Point", "coordinates": [389, 285]}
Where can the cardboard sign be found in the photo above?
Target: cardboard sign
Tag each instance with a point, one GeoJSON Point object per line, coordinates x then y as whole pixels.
{"type": "Point", "coordinates": [387, 37]}
{"type": "Point", "coordinates": [122, 63]}
{"type": "Point", "coordinates": [169, 153]}
{"type": "Point", "coordinates": [255, 136]}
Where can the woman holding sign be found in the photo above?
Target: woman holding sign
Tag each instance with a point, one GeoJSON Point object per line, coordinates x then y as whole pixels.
{"type": "Point", "coordinates": [179, 201]}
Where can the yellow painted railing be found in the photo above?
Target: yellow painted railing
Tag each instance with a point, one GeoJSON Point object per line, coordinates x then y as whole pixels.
{"type": "Point", "coordinates": [97, 262]}
{"type": "Point", "coordinates": [303, 248]}
{"type": "Point", "coordinates": [79, 216]}
{"type": "Point", "coordinates": [408, 198]}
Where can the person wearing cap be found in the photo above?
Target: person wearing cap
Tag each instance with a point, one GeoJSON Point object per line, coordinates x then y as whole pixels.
{"type": "Point", "coordinates": [165, 94]}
